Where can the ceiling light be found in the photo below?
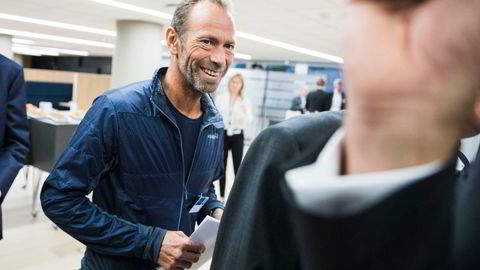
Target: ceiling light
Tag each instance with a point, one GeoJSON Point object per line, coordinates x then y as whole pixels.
{"type": "Point", "coordinates": [290, 47]}
{"type": "Point", "coordinates": [134, 8]}
{"type": "Point", "coordinates": [243, 56]}
{"type": "Point", "coordinates": [244, 35]}
{"type": "Point", "coordinates": [50, 51]}
{"type": "Point", "coordinates": [22, 41]}
{"type": "Point", "coordinates": [23, 51]}
{"type": "Point", "coordinates": [33, 51]}
{"type": "Point", "coordinates": [56, 38]}
{"type": "Point", "coordinates": [57, 24]}
{"type": "Point", "coordinates": [74, 52]}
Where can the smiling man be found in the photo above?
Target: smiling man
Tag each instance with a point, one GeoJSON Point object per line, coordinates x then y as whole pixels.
{"type": "Point", "coordinates": [148, 152]}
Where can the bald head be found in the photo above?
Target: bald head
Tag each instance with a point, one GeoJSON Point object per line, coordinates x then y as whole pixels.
{"type": "Point", "coordinates": [184, 8]}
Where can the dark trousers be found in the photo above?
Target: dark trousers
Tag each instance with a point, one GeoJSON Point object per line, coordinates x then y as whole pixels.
{"type": "Point", "coordinates": [235, 144]}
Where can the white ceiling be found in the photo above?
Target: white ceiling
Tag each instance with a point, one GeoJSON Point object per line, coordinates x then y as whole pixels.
{"type": "Point", "coordinates": [311, 24]}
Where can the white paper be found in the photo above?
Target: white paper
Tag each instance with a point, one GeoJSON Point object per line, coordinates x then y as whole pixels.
{"type": "Point", "coordinates": [206, 234]}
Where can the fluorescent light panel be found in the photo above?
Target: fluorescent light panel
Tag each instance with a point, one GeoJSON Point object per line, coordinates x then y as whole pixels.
{"type": "Point", "coordinates": [34, 51]}
{"type": "Point", "coordinates": [243, 56]}
{"type": "Point", "coordinates": [244, 35]}
{"type": "Point", "coordinates": [26, 52]}
{"type": "Point", "coordinates": [134, 8]}
{"type": "Point", "coordinates": [74, 52]}
{"type": "Point", "coordinates": [48, 50]}
{"type": "Point", "coordinates": [57, 24]}
{"type": "Point", "coordinates": [56, 38]}
{"type": "Point", "coordinates": [18, 41]}
{"type": "Point", "coordinates": [112, 33]}
{"type": "Point", "coordinates": [22, 41]}
{"type": "Point", "coordinates": [290, 47]}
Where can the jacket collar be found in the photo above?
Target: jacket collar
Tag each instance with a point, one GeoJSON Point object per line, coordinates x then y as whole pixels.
{"type": "Point", "coordinates": [210, 112]}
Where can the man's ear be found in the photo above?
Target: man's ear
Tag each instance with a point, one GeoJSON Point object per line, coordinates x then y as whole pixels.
{"type": "Point", "coordinates": [172, 39]}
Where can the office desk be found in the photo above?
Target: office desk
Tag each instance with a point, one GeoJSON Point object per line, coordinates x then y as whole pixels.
{"type": "Point", "coordinates": [48, 140]}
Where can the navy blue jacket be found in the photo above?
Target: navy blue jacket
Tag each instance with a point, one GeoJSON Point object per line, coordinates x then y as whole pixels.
{"type": "Point", "coordinates": [14, 140]}
{"type": "Point", "coordinates": [128, 151]}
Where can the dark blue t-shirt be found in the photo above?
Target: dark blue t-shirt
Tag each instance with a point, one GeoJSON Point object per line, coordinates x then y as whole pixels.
{"type": "Point", "coordinates": [189, 129]}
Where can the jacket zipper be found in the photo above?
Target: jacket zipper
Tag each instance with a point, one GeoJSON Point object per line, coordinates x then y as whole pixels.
{"type": "Point", "coordinates": [184, 182]}
{"type": "Point", "coordinates": [183, 164]}
{"type": "Point", "coordinates": [195, 151]}
{"type": "Point", "coordinates": [190, 172]}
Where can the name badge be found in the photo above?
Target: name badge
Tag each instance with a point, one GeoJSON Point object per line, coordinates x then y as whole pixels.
{"type": "Point", "coordinates": [199, 204]}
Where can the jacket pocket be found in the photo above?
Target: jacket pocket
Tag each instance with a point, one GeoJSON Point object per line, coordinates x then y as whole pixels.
{"type": "Point", "coordinates": [159, 195]}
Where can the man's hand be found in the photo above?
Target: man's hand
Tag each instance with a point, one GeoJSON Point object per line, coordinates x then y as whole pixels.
{"type": "Point", "coordinates": [217, 213]}
{"type": "Point", "coordinates": [178, 252]}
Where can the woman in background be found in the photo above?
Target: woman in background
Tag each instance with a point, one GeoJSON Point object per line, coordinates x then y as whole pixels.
{"type": "Point", "coordinates": [237, 114]}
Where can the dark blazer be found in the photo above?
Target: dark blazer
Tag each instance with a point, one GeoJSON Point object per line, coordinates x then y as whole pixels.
{"type": "Point", "coordinates": [329, 98]}
{"type": "Point", "coordinates": [466, 253]}
{"type": "Point", "coordinates": [14, 140]}
{"type": "Point", "coordinates": [297, 104]}
{"type": "Point", "coordinates": [410, 229]}
{"type": "Point", "coordinates": [255, 232]}
{"type": "Point", "coordinates": [318, 101]}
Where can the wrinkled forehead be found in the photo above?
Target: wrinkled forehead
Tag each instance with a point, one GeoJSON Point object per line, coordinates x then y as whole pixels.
{"type": "Point", "coordinates": [207, 18]}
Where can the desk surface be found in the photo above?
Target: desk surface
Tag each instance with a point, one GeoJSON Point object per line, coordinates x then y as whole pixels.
{"type": "Point", "coordinates": [48, 141]}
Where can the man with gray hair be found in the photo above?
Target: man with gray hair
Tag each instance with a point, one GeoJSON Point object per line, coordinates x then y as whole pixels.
{"type": "Point", "coordinates": [338, 96]}
{"type": "Point", "coordinates": [149, 152]}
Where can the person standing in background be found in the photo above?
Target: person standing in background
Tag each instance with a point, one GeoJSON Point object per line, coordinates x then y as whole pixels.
{"type": "Point", "coordinates": [14, 137]}
{"type": "Point", "coordinates": [149, 152]}
{"type": "Point", "coordinates": [299, 102]}
{"type": "Point", "coordinates": [338, 97]}
{"type": "Point", "coordinates": [318, 100]}
{"type": "Point", "coordinates": [237, 114]}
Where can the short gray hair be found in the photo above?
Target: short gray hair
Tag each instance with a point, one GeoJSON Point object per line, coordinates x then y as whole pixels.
{"type": "Point", "coordinates": [182, 12]}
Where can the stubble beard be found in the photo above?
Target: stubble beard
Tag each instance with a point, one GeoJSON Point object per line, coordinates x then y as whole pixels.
{"type": "Point", "coordinates": [192, 76]}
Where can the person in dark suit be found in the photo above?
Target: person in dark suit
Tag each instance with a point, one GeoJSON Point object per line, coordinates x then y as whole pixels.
{"type": "Point", "coordinates": [255, 217]}
{"type": "Point", "coordinates": [387, 198]}
{"type": "Point", "coordinates": [390, 201]}
{"type": "Point", "coordinates": [318, 100]}
{"type": "Point", "coordinates": [14, 136]}
{"type": "Point", "coordinates": [337, 99]}
{"type": "Point", "coordinates": [299, 102]}
{"type": "Point", "coordinates": [267, 237]}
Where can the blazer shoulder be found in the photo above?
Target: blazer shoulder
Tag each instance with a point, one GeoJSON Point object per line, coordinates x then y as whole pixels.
{"type": "Point", "coordinates": [8, 64]}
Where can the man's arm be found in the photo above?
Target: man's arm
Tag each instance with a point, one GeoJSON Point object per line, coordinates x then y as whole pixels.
{"type": "Point", "coordinates": [213, 206]}
{"type": "Point", "coordinates": [16, 145]}
{"type": "Point", "coordinates": [90, 154]}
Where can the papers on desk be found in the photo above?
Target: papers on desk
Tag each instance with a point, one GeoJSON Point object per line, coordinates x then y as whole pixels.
{"type": "Point", "coordinates": [53, 116]}
{"type": "Point", "coordinates": [206, 234]}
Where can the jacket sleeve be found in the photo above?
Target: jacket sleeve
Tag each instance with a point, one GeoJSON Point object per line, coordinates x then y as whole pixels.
{"type": "Point", "coordinates": [13, 151]}
{"type": "Point", "coordinates": [89, 156]}
{"type": "Point", "coordinates": [213, 203]}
